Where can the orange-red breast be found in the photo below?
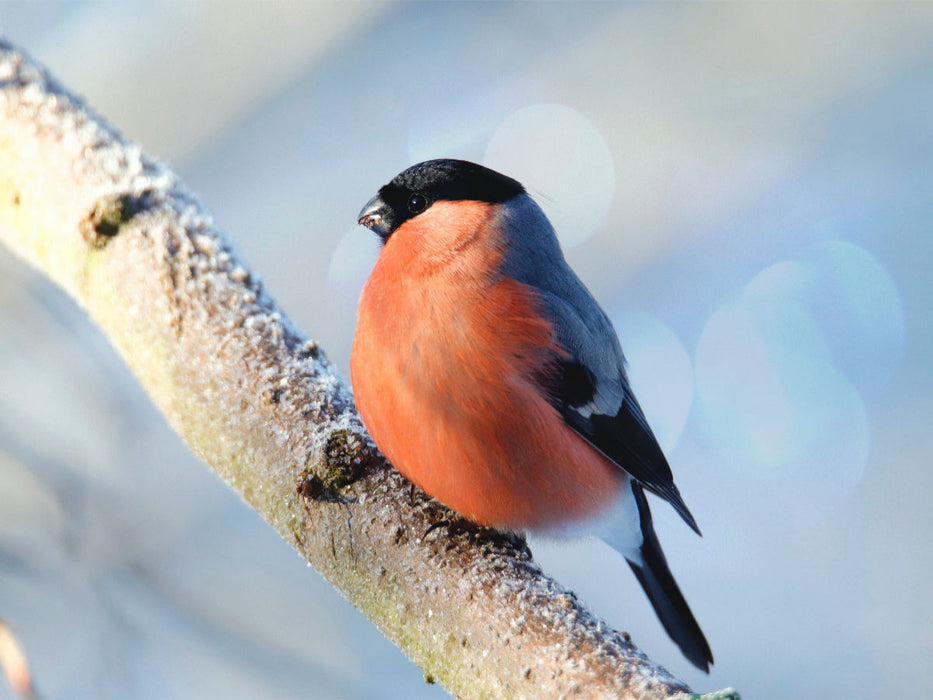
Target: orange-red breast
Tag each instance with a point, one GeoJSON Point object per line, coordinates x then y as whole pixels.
{"type": "Point", "coordinates": [491, 378]}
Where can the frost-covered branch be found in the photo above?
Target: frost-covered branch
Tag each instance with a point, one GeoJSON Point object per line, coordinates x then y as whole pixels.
{"type": "Point", "coordinates": [265, 408]}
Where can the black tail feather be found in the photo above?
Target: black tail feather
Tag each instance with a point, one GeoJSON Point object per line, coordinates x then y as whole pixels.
{"type": "Point", "coordinates": [655, 577]}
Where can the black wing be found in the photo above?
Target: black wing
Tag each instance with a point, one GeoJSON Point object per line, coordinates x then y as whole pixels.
{"type": "Point", "coordinates": [625, 438]}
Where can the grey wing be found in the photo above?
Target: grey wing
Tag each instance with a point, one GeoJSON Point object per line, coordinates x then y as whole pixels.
{"type": "Point", "coordinates": [589, 387]}
{"type": "Point", "coordinates": [591, 391]}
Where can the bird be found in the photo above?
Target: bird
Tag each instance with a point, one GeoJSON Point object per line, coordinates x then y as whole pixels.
{"type": "Point", "coordinates": [491, 378]}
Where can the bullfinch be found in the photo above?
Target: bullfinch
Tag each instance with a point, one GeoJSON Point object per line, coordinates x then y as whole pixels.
{"type": "Point", "coordinates": [489, 376]}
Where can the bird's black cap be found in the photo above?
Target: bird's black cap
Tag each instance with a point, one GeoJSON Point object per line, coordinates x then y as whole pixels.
{"type": "Point", "coordinates": [414, 190]}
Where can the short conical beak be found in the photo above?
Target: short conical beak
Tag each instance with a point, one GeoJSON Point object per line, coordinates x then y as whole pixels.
{"type": "Point", "coordinates": [374, 216]}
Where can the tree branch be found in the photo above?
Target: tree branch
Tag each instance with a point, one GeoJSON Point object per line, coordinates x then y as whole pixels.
{"type": "Point", "coordinates": [265, 408]}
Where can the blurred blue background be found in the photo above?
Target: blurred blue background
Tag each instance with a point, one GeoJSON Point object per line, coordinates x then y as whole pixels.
{"type": "Point", "coordinates": [746, 188]}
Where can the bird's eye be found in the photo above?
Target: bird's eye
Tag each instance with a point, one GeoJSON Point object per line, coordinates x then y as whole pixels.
{"type": "Point", "coordinates": [417, 203]}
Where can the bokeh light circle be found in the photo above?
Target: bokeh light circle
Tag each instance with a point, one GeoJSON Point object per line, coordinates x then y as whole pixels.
{"type": "Point", "coordinates": [563, 161]}
{"type": "Point", "coordinates": [660, 372]}
{"type": "Point", "coordinates": [351, 262]}
{"type": "Point", "coordinates": [782, 369]}
{"type": "Point", "coordinates": [860, 308]}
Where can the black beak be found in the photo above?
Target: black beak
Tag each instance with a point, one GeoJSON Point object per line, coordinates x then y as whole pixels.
{"type": "Point", "coordinates": [376, 217]}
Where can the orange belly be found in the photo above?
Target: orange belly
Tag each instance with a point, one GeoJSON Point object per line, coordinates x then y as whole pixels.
{"type": "Point", "coordinates": [516, 466]}
{"type": "Point", "coordinates": [443, 370]}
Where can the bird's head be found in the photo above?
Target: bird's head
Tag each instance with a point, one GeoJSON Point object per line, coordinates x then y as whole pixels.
{"type": "Point", "coordinates": [415, 190]}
